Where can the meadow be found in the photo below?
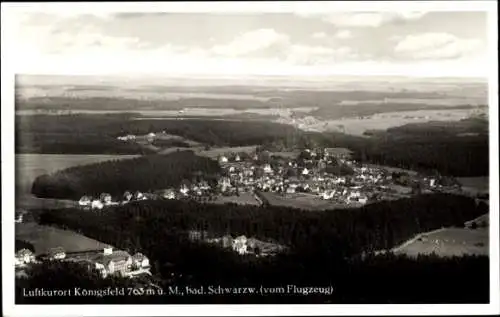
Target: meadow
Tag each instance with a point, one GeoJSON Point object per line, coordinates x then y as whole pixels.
{"type": "Point", "coordinates": [475, 185]}
{"type": "Point", "coordinates": [243, 199]}
{"type": "Point", "coordinates": [303, 201]}
{"type": "Point", "coordinates": [44, 238]}
{"type": "Point", "coordinates": [449, 242]}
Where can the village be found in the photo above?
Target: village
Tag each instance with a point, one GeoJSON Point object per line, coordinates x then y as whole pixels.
{"type": "Point", "coordinates": [326, 177]}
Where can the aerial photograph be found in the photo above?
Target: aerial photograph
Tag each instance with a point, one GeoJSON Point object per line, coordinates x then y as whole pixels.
{"type": "Point", "coordinates": [252, 158]}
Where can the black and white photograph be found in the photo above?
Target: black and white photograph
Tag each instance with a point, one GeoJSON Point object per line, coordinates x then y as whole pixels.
{"type": "Point", "coordinates": [223, 157]}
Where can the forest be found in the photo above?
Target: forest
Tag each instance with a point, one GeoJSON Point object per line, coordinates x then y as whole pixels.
{"type": "Point", "coordinates": [71, 134]}
{"type": "Point", "coordinates": [341, 232]}
{"type": "Point", "coordinates": [328, 247]}
{"type": "Point", "coordinates": [425, 146]}
{"type": "Point", "coordinates": [144, 173]}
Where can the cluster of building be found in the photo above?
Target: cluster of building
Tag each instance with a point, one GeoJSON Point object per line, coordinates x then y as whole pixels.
{"type": "Point", "coordinates": [329, 176]}
{"type": "Point", "coordinates": [240, 244]}
{"type": "Point", "coordinates": [107, 262]}
{"type": "Point", "coordinates": [326, 173]}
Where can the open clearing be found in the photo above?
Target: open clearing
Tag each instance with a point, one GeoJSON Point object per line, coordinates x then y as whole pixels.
{"type": "Point", "coordinates": [448, 242]}
{"type": "Point", "coordinates": [301, 201]}
{"type": "Point", "coordinates": [44, 238]}
{"type": "Point", "coordinates": [380, 121]}
{"type": "Point", "coordinates": [242, 199]}
{"type": "Point", "coordinates": [215, 152]}
{"type": "Point", "coordinates": [475, 185]}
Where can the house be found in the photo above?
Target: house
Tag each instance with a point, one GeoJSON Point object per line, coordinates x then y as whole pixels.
{"type": "Point", "coordinates": [105, 198]}
{"type": "Point", "coordinates": [126, 138]}
{"type": "Point", "coordinates": [169, 194]}
{"type": "Point", "coordinates": [140, 262]}
{"type": "Point", "coordinates": [139, 196]}
{"type": "Point", "coordinates": [305, 171]}
{"type": "Point", "coordinates": [85, 201]}
{"type": "Point", "coordinates": [57, 253]}
{"type": "Point", "coordinates": [224, 183]}
{"type": "Point", "coordinates": [127, 196]}
{"type": "Point", "coordinates": [223, 159]}
{"type": "Point", "coordinates": [184, 190]}
{"type": "Point", "coordinates": [240, 244]}
{"type": "Point", "coordinates": [96, 204]}
{"type": "Point", "coordinates": [19, 216]}
{"type": "Point", "coordinates": [23, 257]}
{"type": "Point", "coordinates": [267, 168]}
{"type": "Point", "coordinates": [290, 190]}
{"type": "Point", "coordinates": [111, 262]}
{"type": "Point", "coordinates": [237, 158]}
{"type": "Point", "coordinates": [327, 195]}
{"type": "Point", "coordinates": [363, 199]}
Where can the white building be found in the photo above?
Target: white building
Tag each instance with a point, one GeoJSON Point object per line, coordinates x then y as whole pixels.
{"type": "Point", "coordinates": [127, 196]}
{"type": "Point", "coordinates": [97, 204]}
{"type": "Point", "coordinates": [305, 171]}
{"type": "Point", "coordinates": [169, 194]}
{"type": "Point", "coordinates": [85, 201]}
{"type": "Point", "coordinates": [223, 159]}
{"type": "Point", "coordinates": [113, 262]}
{"type": "Point", "coordinates": [184, 190]}
{"type": "Point", "coordinates": [267, 168]}
{"type": "Point", "coordinates": [57, 253]}
{"type": "Point", "coordinates": [23, 257]}
{"type": "Point", "coordinates": [240, 244]}
{"type": "Point", "coordinates": [106, 199]}
{"type": "Point", "coordinates": [140, 262]}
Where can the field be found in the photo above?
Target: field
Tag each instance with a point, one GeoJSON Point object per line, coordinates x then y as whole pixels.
{"type": "Point", "coordinates": [44, 238]}
{"type": "Point", "coordinates": [215, 152]}
{"type": "Point", "coordinates": [242, 199]}
{"type": "Point", "coordinates": [448, 242]}
{"type": "Point", "coordinates": [301, 201]}
{"type": "Point", "coordinates": [382, 121]}
{"type": "Point", "coordinates": [288, 154]}
{"type": "Point", "coordinates": [475, 185]}
{"type": "Point", "coordinates": [30, 166]}
{"type": "Point", "coordinates": [28, 201]}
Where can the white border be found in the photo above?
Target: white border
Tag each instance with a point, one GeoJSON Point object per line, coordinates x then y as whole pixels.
{"type": "Point", "coordinates": [7, 96]}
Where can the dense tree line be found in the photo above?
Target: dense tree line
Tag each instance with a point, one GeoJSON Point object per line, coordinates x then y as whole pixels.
{"type": "Point", "coordinates": [424, 146]}
{"type": "Point", "coordinates": [324, 246]}
{"type": "Point", "coordinates": [20, 244]}
{"type": "Point", "coordinates": [71, 134]}
{"type": "Point", "coordinates": [344, 232]}
{"type": "Point", "coordinates": [213, 132]}
{"type": "Point", "coordinates": [144, 173]}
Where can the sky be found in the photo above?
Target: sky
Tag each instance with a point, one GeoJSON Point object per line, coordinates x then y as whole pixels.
{"type": "Point", "coordinates": [300, 43]}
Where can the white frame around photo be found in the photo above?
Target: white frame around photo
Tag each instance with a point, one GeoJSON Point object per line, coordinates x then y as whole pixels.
{"type": "Point", "coordinates": [9, 64]}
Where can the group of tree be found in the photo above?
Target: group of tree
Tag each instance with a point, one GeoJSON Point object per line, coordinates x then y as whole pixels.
{"type": "Point", "coordinates": [324, 247]}
{"type": "Point", "coordinates": [145, 173]}
{"type": "Point", "coordinates": [423, 146]}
